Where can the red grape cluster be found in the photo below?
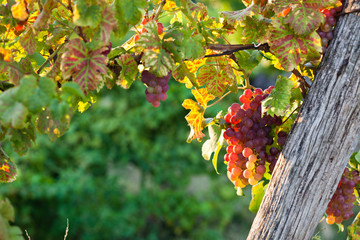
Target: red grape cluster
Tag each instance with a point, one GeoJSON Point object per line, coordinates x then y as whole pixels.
{"type": "Point", "coordinates": [156, 87]}
{"type": "Point", "coordinates": [340, 207]}
{"type": "Point", "coordinates": [250, 140]}
{"type": "Point", "coordinates": [326, 30]}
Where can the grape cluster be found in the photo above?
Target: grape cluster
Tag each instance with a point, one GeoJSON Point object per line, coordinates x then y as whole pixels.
{"type": "Point", "coordinates": [340, 207]}
{"type": "Point", "coordinates": [251, 144]}
{"type": "Point", "coordinates": [156, 87]}
{"type": "Point", "coordinates": [325, 31]}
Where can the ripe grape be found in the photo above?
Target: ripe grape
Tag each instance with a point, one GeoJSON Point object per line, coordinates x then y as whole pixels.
{"type": "Point", "coordinates": [250, 138]}
{"type": "Point", "coordinates": [325, 30]}
{"type": "Point", "coordinates": [156, 87]}
{"type": "Point", "coordinates": [341, 204]}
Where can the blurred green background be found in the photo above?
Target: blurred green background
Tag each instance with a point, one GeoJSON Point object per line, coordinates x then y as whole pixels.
{"type": "Point", "coordinates": [125, 171]}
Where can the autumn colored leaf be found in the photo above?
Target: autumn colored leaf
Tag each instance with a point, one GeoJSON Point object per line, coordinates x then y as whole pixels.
{"type": "Point", "coordinates": [182, 74]}
{"type": "Point", "coordinates": [215, 80]}
{"type": "Point", "coordinates": [28, 42]}
{"type": "Point", "coordinates": [20, 11]}
{"type": "Point", "coordinates": [291, 49]}
{"type": "Point", "coordinates": [128, 72]}
{"type": "Point", "coordinates": [8, 171]}
{"type": "Point", "coordinates": [304, 20]}
{"type": "Point", "coordinates": [196, 118]}
{"type": "Point", "coordinates": [108, 22]}
{"type": "Point", "coordinates": [83, 65]}
{"type": "Point", "coordinates": [281, 5]}
{"type": "Point", "coordinates": [5, 54]}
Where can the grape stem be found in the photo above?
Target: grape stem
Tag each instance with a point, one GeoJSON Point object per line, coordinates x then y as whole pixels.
{"type": "Point", "coordinates": [221, 98]}
{"type": "Point", "coordinates": [54, 53]}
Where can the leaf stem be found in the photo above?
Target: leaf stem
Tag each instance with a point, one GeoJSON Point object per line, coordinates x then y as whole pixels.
{"type": "Point", "coordinates": [222, 97]}
{"type": "Point", "coordinates": [159, 10]}
{"type": "Point", "coordinates": [54, 53]}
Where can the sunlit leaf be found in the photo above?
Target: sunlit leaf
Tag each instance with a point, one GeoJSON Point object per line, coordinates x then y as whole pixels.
{"type": "Point", "coordinates": [196, 118]}
{"type": "Point", "coordinates": [8, 171]}
{"type": "Point", "coordinates": [128, 72]}
{"type": "Point", "coordinates": [292, 49]}
{"type": "Point", "coordinates": [28, 42]}
{"type": "Point", "coordinates": [108, 22]}
{"type": "Point", "coordinates": [257, 195]}
{"type": "Point", "coordinates": [20, 11]}
{"type": "Point", "coordinates": [279, 99]}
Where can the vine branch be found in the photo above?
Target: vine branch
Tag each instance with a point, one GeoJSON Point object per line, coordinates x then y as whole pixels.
{"type": "Point", "coordinates": [230, 49]}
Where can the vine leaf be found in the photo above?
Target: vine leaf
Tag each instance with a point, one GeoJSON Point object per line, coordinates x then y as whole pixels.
{"type": "Point", "coordinates": [183, 74]}
{"type": "Point", "coordinates": [159, 61]}
{"type": "Point", "coordinates": [20, 11]}
{"type": "Point", "coordinates": [28, 42]}
{"type": "Point", "coordinates": [281, 5]}
{"type": "Point", "coordinates": [108, 22]}
{"type": "Point", "coordinates": [21, 138]}
{"type": "Point", "coordinates": [354, 228]}
{"type": "Point", "coordinates": [196, 118]}
{"type": "Point", "coordinates": [8, 171]}
{"type": "Point", "coordinates": [304, 20]}
{"type": "Point", "coordinates": [216, 82]}
{"type": "Point", "coordinates": [290, 48]}
{"type": "Point", "coordinates": [87, 15]}
{"type": "Point", "coordinates": [128, 13]}
{"type": "Point", "coordinates": [279, 99]}
{"type": "Point", "coordinates": [128, 72]}
{"type": "Point", "coordinates": [257, 194]}
{"type": "Point", "coordinates": [83, 65]}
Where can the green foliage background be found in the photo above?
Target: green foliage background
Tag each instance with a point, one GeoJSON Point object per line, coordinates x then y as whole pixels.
{"type": "Point", "coordinates": [124, 171]}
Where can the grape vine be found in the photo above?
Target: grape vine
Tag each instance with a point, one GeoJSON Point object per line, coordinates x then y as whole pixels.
{"type": "Point", "coordinates": [55, 56]}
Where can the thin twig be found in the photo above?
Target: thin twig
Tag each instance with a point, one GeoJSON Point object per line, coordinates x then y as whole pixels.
{"type": "Point", "coordinates": [302, 79]}
{"type": "Point", "coordinates": [344, 13]}
{"type": "Point", "coordinates": [221, 98]}
{"type": "Point", "coordinates": [158, 12]}
{"type": "Point", "coordinates": [27, 235]}
{"type": "Point", "coordinates": [54, 53]}
{"type": "Point", "coordinates": [67, 228]}
{"type": "Point", "coordinates": [291, 114]}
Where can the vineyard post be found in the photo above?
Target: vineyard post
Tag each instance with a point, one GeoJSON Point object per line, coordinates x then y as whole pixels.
{"type": "Point", "coordinates": [320, 143]}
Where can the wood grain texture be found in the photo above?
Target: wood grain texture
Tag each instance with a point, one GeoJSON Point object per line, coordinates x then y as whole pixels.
{"type": "Point", "coordinates": [320, 143]}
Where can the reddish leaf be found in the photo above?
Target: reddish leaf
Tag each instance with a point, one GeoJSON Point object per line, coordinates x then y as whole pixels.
{"type": "Point", "coordinates": [28, 42]}
{"type": "Point", "coordinates": [290, 48]}
{"type": "Point", "coordinates": [83, 65]}
{"type": "Point", "coordinates": [8, 171]}
{"type": "Point", "coordinates": [107, 24]}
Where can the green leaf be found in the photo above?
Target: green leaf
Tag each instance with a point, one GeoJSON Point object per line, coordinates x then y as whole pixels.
{"type": "Point", "coordinates": [248, 60]}
{"type": "Point", "coordinates": [7, 210]}
{"type": "Point", "coordinates": [128, 14]}
{"type": "Point", "coordinates": [128, 72]}
{"type": "Point", "coordinates": [160, 62]}
{"type": "Point", "coordinates": [233, 18]}
{"type": "Point", "coordinates": [172, 42]}
{"type": "Point", "coordinates": [21, 139]}
{"type": "Point", "coordinates": [193, 46]}
{"type": "Point", "coordinates": [73, 89]}
{"type": "Point", "coordinates": [290, 48]}
{"type": "Point", "coordinates": [279, 99]}
{"type": "Point", "coordinates": [257, 195]}
{"type": "Point", "coordinates": [87, 15]}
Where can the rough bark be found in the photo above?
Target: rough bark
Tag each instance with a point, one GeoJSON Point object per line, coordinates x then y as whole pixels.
{"type": "Point", "coordinates": [320, 143]}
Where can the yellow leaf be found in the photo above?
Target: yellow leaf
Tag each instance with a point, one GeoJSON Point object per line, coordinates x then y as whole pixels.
{"type": "Point", "coordinates": [5, 54]}
{"type": "Point", "coordinates": [195, 117]}
{"type": "Point", "coordinates": [20, 11]}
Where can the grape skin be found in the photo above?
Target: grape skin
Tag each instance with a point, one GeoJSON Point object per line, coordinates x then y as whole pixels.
{"type": "Point", "coordinates": [156, 87]}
